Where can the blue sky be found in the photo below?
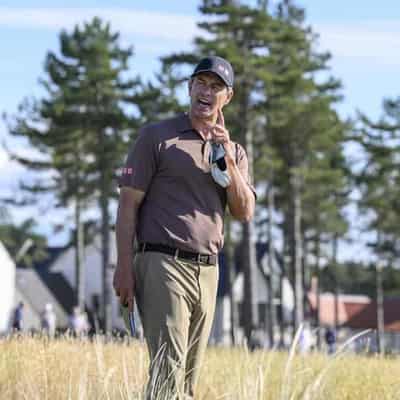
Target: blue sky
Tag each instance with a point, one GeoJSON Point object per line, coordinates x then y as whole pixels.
{"type": "Point", "coordinates": [363, 37]}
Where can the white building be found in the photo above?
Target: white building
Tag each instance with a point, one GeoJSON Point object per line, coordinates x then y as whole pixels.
{"type": "Point", "coordinates": [65, 264]}
{"type": "Point", "coordinates": [35, 294]}
{"type": "Point", "coordinates": [7, 288]}
{"type": "Point", "coordinates": [221, 329]}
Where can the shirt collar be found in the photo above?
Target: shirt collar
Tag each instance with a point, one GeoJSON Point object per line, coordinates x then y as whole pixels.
{"type": "Point", "coordinates": [184, 123]}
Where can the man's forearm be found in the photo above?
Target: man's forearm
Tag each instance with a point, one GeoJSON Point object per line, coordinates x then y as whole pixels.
{"type": "Point", "coordinates": [241, 199]}
{"type": "Point", "coordinates": [124, 280]}
{"type": "Point", "coordinates": [125, 234]}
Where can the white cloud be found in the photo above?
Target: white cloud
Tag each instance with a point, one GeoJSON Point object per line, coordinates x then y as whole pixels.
{"type": "Point", "coordinates": [11, 171]}
{"type": "Point", "coordinates": [128, 21]}
{"type": "Point", "coordinates": [3, 159]}
{"type": "Point", "coordinates": [377, 42]}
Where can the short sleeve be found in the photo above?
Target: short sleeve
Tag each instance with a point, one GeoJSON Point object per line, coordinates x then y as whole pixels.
{"type": "Point", "coordinates": [243, 166]}
{"type": "Point", "coordinates": [141, 163]}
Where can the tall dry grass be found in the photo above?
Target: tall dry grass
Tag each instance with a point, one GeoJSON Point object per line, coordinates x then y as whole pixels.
{"type": "Point", "coordinates": [42, 369]}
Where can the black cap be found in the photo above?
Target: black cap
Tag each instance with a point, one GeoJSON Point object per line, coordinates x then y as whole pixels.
{"type": "Point", "coordinates": [218, 66]}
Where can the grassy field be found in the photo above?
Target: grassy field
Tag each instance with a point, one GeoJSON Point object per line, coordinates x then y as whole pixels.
{"type": "Point", "coordinates": [40, 369]}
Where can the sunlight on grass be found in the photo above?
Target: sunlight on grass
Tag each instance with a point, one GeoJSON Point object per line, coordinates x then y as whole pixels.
{"type": "Point", "coordinates": [40, 369]}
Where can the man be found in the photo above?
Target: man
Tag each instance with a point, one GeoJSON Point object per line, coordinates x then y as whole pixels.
{"type": "Point", "coordinates": [49, 320]}
{"type": "Point", "coordinates": [172, 201]}
{"type": "Point", "coordinates": [18, 317]}
{"type": "Point", "coordinates": [330, 339]}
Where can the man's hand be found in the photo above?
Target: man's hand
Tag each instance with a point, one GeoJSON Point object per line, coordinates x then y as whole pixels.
{"type": "Point", "coordinates": [124, 286]}
{"type": "Point", "coordinates": [221, 135]}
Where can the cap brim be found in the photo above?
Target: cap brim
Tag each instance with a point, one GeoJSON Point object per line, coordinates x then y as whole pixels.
{"type": "Point", "coordinates": [221, 76]}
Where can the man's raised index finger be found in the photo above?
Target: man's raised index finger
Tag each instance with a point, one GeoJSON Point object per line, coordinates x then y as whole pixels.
{"type": "Point", "coordinates": [220, 118]}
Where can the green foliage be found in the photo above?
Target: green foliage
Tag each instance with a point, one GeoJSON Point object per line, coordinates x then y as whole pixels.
{"type": "Point", "coordinates": [22, 242]}
{"type": "Point", "coordinates": [302, 123]}
{"type": "Point", "coordinates": [82, 127]}
{"type": "Point", "coordinates": [285, 97]}
{"type": "Point", "coordinates": [379, 179]}
{"type": "Point", "coordinates": [159, 100]}
{"type": "Point", "coordinates": [358, 278]}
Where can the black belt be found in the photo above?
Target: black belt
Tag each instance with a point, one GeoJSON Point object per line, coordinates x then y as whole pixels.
{"type": "Point", "coordinates": [210, 259]}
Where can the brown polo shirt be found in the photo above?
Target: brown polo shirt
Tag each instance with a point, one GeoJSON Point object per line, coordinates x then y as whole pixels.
{"type": "Point", "coordinates": [183, 206]}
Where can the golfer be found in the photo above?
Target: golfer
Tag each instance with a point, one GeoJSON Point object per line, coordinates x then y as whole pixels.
{"type": "Point", "coordinates": [179, 177]}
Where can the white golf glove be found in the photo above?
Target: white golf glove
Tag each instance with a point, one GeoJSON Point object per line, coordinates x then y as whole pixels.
{"type": "Point", "coordinates": [218, 165]}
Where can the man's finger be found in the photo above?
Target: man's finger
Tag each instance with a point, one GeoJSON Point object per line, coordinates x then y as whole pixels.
{"type": "Point", "coordinates": [220, 131]}
{"type": "Point", "coordinates": [130, 303]}
{"type": "Point", "coordinates": [220, 118]}
{"type": "Point", "coordinates": [126, 296]}
{"type": "Point", "coordinates": [122, 297]}
{"type": "Point", "coordinates": [220, 134]}
{"type": "Point", "coordinates": [219, 127]}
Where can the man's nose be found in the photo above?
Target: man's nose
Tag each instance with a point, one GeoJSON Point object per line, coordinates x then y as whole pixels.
{"type": "Point", "coordinates": [207, 89]}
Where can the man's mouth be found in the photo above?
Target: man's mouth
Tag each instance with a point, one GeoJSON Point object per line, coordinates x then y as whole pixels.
{"type": "Point", "coordinates": [204, 102]}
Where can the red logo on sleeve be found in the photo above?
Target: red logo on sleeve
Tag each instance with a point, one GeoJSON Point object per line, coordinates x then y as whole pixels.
{"type": "Point", "coordinates": [127, 171]}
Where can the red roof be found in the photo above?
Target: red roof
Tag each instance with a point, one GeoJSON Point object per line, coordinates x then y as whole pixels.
{"type": "Point", "coordinates": [366, 318]}
{"type": "Point", "coordinates": [357, 312]}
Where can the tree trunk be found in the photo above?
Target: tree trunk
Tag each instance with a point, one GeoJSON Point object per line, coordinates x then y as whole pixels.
{"type": "Point", "coordinates": [304, 273]}
{"type": "Point", "coordinates": [380, 312]}
{"type": "Point", "coordinates": [295, 248]}
{"type": "Point", "coordinates": [318, 288]}
{"type": "Point", "coordinates": [283, 275]}
{"type": "Point", "coordinates": [231, 279]}
{"type": "Point", "coordinates": [271, 261]}
{"type": "Point", "coordinates": [251, 317]}
{"type": "Point", "coordinates": [105, 248]}
{"type": "Point", "coordinates": [334, 264]}
{"type": "Point", "coordinates": [250, 307]}
{"type": "Point", "coordinates": [79, 258]}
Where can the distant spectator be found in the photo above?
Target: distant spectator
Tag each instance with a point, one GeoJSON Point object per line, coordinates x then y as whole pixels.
{"type": "Point", "coordinates": [18, 317]}
{"type": "Point", "coordinates": [330, 339]}
{"type": "Point", "coordinates": [49, 320]}
{"type": "Point", "coordinates": [78, 322]}
{"type": "Point", "coordinates": [306, 339]}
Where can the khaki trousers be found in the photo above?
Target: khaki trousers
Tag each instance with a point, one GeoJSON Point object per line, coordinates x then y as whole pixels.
{"type": "Point", "coordinates": [176, 302]}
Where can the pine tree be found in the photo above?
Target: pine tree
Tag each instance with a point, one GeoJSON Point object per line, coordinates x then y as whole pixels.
{"type": "Point", "coordinates": [240, 34]}
{"type": "Point", "coordinates": [302, 125]}
{"type": "Point", "coordinates": [82, 127]}
{"type": "Point", "coordinates": [25, 246]}
{"type": "Point", "coordinates": [282, 114]}
{"type": "Point", "coordinates": [379, 179]}
{"type": "Point", "coordinates": [159, 100]}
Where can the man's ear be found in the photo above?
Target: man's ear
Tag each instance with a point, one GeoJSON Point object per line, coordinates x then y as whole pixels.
{"type": "Point", "coordinates": [229, 96]}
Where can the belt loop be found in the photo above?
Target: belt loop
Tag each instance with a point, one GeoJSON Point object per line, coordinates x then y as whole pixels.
{"type": "Point", "coordinates": [144, 247]}
{"type": "Point", "coordinates": [198, 258]}
{"type": "Point", "coordinates": [176, 254]}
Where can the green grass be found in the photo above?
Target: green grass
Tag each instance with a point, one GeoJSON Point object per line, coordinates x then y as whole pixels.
{"type": "Point", "coordinates": [37, 368]}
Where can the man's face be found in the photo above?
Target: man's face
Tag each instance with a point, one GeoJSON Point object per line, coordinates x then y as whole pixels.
{"type": "Point", "coordinates": [208, 94]}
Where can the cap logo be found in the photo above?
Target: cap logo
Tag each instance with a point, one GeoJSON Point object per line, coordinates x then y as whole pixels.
{"type": "Point", "coordinates": [223, 69]}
